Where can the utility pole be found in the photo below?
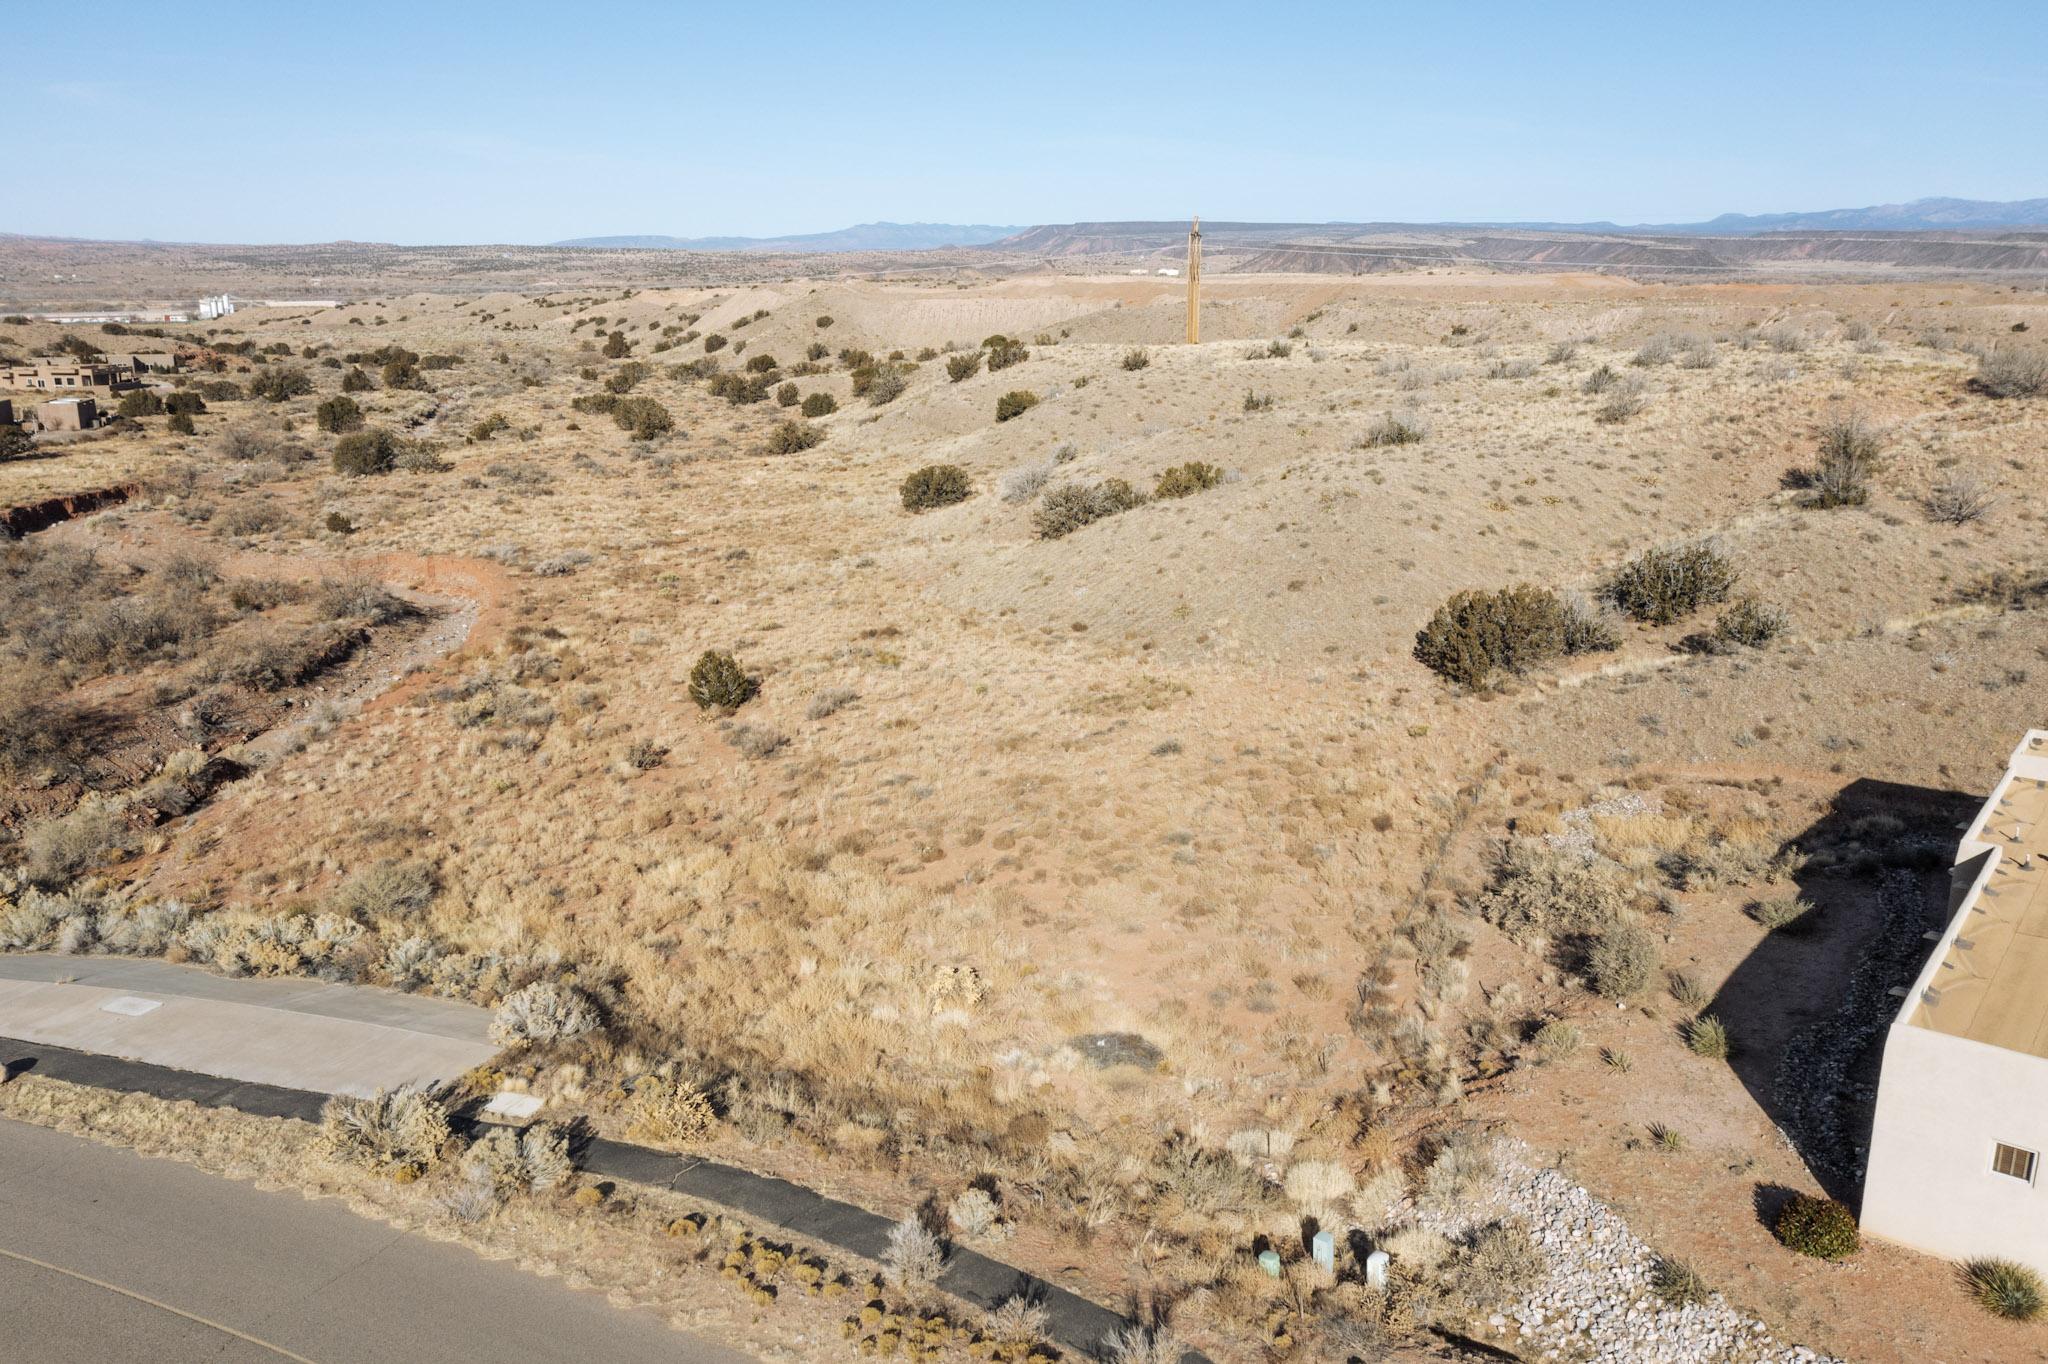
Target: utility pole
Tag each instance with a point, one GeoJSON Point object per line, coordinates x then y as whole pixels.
{"type": "Point", "coordinates": [1195, 282]}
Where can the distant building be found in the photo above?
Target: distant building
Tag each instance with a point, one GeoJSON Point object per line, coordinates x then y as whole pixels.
{"type": "Point", "coordinates": [1168, 270]}
{"type": "Point", "coordinates": [1962, 1101]}
{"type": "Point", "coordinates": [68, 414]}
{"type": "Point", "coordinates": [155, 362]}
{"type": "Point", "coordinates": [220, 305]}
{"type": "Point", "coordinates": [61, 374]}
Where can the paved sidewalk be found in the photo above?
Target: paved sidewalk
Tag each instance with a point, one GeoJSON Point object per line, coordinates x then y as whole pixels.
{"type": "Point", "coordinates": [299, 1034]}
{"type": "Point", "coordinates": [1076, 1323]}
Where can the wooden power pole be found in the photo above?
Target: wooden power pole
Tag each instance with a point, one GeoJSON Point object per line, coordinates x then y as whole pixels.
{"type": "Point", "coordinates": [1195, 282]}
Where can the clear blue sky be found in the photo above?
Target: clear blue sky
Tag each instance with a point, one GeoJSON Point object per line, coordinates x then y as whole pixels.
{"type": "Point", "coordinates": [450, 121]}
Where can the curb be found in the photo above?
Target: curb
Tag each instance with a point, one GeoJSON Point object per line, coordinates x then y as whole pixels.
{"type": "Point", "coordinates": [1075, 1323]}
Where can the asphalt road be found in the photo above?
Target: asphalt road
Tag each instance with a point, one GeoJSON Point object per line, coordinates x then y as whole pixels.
{"type": "Point", "coordinates": [110, 1258]}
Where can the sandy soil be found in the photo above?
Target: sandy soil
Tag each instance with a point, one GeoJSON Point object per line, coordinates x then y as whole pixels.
{"type": "Point", "coordinates": [1175, 774]}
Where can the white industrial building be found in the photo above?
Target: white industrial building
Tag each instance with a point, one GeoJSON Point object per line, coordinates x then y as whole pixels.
{"type": "Point", "coordinates": [1962, 1103]}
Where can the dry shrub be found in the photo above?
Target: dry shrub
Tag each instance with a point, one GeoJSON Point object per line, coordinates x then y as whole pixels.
{"type": "Point", "coordinates": [2013, 372]}
{"type": "Point", "coordinates": [387, 889]}
{"type": "Point", "coordinates": [1749, 623]}
{"type": "Point", "coordinates": [1660, 585]}
{"type": "Point", "coordinates": [936, 485]}
{"type": "Point", "coordinates": [718, 682]}
{"type": "Point", "coordinates": [1622, 960]}
{"type": "Point", "coordinates": [913, 1257]}
{"type": "Point", "coordinates": [1543, 892]}
{"type": "Point", "coordinates": [1185, 480]}
{"type": "Point", "coordinates": [794, 437]}
{"type": "Point", "coordinates": [1142, 1345]}
{"type": "Point", "coordinates": [1015, 403]}
{"type": "Point", "coordinates": [1067, 509]}
{"type": "Point", "coordinates": [513, 1162]}
{"type": "Point", "coordinates": [1477, 635]}
{"type": "Point", "coordinates": [543, 1012]}
{"type": "Point", "coordinates": [1958, 498]}
{"type": "Point", "coordinates": [1021, 485]}
{"type": "Point", "coordinates": [1318, 1185]}
{"type": "Point", "coordinates": [1404, 429]}
{"type": "Point", "coordinates": [1497, 1268]}
{"type": "Point", "coordinates": [670, 1114]}
{"type": "Point", "coordinates": [399, 1133]}
{"type": "Point", "coordinates": [1851, 449]}
{"type": "Point", "coordinates": [57, 851]}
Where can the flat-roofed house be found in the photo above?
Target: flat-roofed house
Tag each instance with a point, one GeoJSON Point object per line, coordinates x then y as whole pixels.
{"type": "Point", "coordinates": [61, 374]}
{"type": "Point", "coordinates": [68, 414]}
{"type": "Point", "coordinates": [1961, 1124]}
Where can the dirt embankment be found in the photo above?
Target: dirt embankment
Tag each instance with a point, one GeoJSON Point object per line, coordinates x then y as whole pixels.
{"type": "Point", "coordinates": [30, 517]}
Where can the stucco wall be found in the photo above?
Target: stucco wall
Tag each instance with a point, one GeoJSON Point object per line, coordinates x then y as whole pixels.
{"type": "Point", "coordinates": [1941, 1106]}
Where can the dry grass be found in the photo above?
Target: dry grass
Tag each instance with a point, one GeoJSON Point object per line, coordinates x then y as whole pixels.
{"type": "Point", "coordinates": [1172, 775]}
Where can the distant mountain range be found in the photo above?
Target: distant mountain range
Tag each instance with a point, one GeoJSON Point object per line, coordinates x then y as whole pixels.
{"type": "Point", "coordinates": [860, 237]}
{"type": "Point", "coordinates": [1922, 215]}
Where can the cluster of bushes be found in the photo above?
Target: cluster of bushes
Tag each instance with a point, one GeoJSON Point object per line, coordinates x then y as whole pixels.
{"type": "Point", "coordinates": [819, 405]}
{"type": "Point", "coordinates": [1476, 636]}
{"type": "Point", "coordinates": [643, 417]}
{"type": "Point", "coordinates": [963, 366]}
{"type": "Point", "coordinates": [740, 388]}
{"type": "Point", "coordinates": [627, 377]}
{"type": "Point", "coordinates": [885, 386]}
{"type": "Point", "coordinates": [1004, 352]}
{"type": "Point", "coordinates": [281, 384]}
{"type": "Point", "coordinates": [1067, 509]}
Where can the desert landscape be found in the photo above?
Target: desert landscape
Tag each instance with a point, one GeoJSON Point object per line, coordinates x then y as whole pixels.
{"type": "Point", "coordinates": [1458, 759]}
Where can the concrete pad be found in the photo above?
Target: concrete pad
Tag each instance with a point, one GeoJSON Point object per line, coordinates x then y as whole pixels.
{"type": "Point", "coordinates": [299, 1034]}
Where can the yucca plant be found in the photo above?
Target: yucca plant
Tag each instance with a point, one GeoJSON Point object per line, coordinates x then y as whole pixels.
{"type": "Point", "coordinates": [2004, 1288]}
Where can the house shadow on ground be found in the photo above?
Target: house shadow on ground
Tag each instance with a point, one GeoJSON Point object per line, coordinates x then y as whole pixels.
{"type": "Point", "coordinates": [1807, 1011]}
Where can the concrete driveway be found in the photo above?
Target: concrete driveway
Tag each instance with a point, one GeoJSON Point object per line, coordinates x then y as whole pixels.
{"type": "Point", "coordinates": [110, 1258]}
{"type": "Point", "coordinates": [302, 1034]}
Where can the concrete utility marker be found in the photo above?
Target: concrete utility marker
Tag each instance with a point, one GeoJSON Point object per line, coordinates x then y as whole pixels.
{"type": "Point", "coordinates": [1075, 1323]}
{"type": "Point", "coordinates": [300, 1034]}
